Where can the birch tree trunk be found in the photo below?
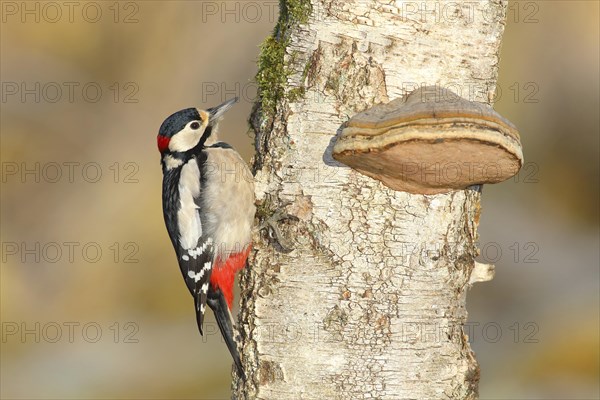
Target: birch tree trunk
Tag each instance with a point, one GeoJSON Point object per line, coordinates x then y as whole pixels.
{"type": "Point", "coordinates": [371, 301]}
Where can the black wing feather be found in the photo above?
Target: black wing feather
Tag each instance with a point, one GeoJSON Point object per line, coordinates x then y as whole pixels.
{"type": "Point", "coordinates": [200, 266]}
{"type": "Point", "coordinates": [197, 265]}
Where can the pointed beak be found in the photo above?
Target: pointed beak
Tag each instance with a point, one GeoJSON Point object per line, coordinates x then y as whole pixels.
{"type": "Point", "coordinates": [217, 112]}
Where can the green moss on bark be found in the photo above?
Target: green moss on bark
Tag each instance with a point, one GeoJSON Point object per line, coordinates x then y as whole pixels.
{"type": "Point", "coordinates": [273, 73]}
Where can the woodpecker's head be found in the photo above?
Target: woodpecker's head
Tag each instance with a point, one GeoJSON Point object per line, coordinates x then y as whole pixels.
{"type": "Point", "coordinates": [187, 128]}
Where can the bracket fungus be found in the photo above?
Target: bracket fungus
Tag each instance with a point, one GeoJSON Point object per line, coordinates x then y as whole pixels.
{"type": "Point", "coordinates": [431, 141]}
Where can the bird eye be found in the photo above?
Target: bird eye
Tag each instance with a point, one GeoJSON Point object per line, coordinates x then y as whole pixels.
{"type": "Point", "coordinates": [195, 125]}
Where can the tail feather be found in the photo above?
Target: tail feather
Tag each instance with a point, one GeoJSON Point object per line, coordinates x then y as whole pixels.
{"type": "Point", "coordinates": [199, 313]}
{"type": "Point", "coordinates": [218, 304]}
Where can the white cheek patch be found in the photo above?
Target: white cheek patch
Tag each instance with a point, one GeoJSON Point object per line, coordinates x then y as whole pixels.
{"type": "Point", "coordinates": [185, 140]}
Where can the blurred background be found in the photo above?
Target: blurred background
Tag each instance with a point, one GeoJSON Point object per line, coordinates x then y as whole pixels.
{"type": "Point", "coordinates": [92, 302]}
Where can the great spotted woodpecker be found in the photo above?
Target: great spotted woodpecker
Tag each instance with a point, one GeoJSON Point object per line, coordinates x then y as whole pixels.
{"type": "Point", "coordinates": [208, 207]}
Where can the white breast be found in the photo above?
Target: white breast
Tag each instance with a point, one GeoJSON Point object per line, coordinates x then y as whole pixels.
{"type": "Point", "coordinates": [228, 203]}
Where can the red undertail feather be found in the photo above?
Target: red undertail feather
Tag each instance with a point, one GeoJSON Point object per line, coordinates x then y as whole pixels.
{"type": "Point", "coordinates": [223, 274]}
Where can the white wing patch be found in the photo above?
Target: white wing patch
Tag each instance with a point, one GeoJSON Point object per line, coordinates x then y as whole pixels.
{"type": "Point", "coordinates": [188, 219]}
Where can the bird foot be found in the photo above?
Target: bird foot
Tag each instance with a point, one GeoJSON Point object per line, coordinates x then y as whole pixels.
{"type": "Point", "coordinates": [273, 231]}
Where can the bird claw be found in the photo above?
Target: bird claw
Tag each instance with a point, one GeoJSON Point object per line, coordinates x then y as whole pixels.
{"type": "Point", "coordinates": [274, 232]}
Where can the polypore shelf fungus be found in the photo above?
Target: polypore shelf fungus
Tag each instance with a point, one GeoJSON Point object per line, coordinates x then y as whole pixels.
{"type": "Point", "coordinates": [431, 141]}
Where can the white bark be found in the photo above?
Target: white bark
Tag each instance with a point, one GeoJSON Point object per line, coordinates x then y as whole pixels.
{"type": "Point", "coordinates": [371, 302]}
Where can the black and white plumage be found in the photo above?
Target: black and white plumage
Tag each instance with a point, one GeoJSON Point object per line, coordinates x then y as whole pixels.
{"type": "Point", "coordinates": [208, 207]}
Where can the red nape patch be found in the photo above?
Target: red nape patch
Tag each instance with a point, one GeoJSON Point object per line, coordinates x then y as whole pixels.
{"type": "Point", "coordinates": [223, 274]}
{"type": "Point", "coordinates": [163, 143]}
